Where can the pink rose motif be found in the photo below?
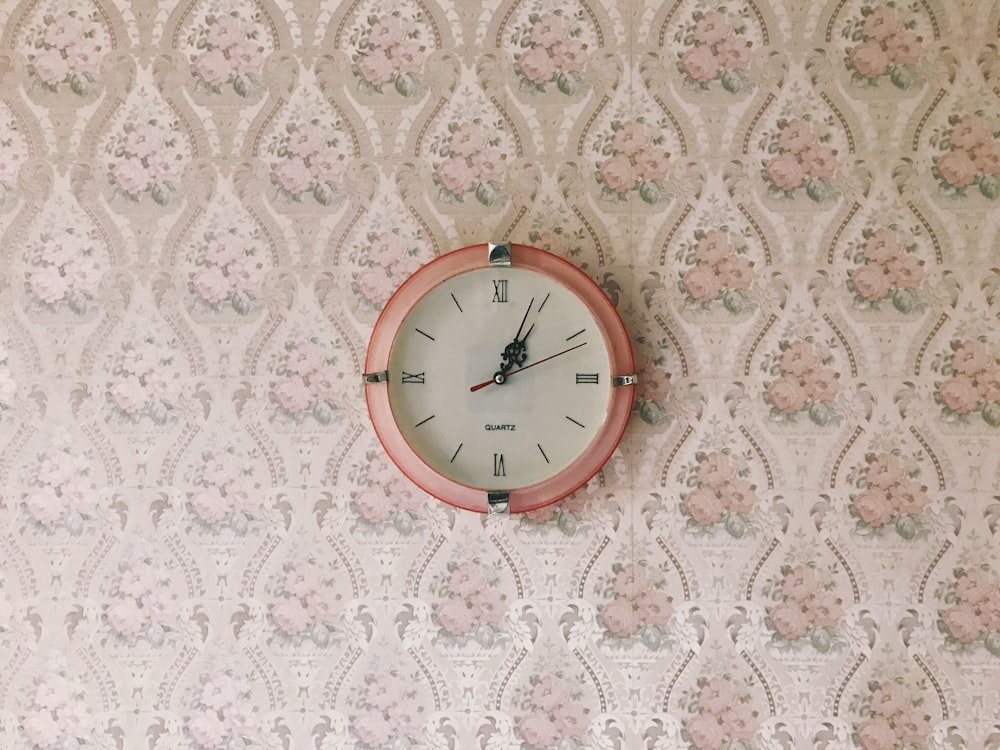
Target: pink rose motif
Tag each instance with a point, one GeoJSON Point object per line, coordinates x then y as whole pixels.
{"type": "Point", "coordinates": [963, 622]}
{"type": "Point", "coordinates": [701, 63]}
{"type": "Point", "coordinates": [881, 23]}
{"type": "Point", "coordinates": [906, 272]}
{"type": "Point", "coordinates": [214, 67]}
{"type": "Point", "coordinates": [787, 395]}
{"type": "Point", "coordinates": [537, 65]}
{"type": "Point", "coordinates": [618, 173]}
{"type": "Point", "coordinates": [789, 620]}
{"type": "Point", "coordinates": [800, 583]}
{"type": "Point", "coordinates": [988, 383]}
{"type": "Point", "coordinates": [630, 138]}
{"type": "Point", "coordinates": [455, 616]}
{"type": "Point", "coordinates": [738, 496]}
{"type": "Point", "coordinates": [291, 616]}
{"type": "Point", "coordinates": [50, 66]}
{"type": "Point", "coordinates": [703, 506]}
{"type": "Point", "coordinates": [125, 617]}
{"type": "Point", "coordinates": [225, 31]}
{"type": "Point", "coordinates": [711, 28]}
{"type": "Point", "coordinates": [373, 729]}
{"type": "Point", "coordinates": [326, 165]}
{"type": "Point", "coordinates": [876, 733]}
{"type": "Point", "coordinates": [821, 384]}
{"type": "Point", "coordinates": [786, 171]}
{"type": "Point", "coordinates": [882, 246]}
{"type": "Point", "coordinates": [246, 56]}
{"type": "Point", "coordinates": [293, 394]}
{"type": "Point", "coordinates": [571, 719]}
{"type": "Point", "coordinates": [798, 358]}
{"type": "Point", "coordinates": [468, 139]}
{"type": "Point", "coordinates": [702, 283]}
{"type": "Point", "coordinates": [386, 31]}
{"type": "Point", "coordinates": [549, 693]}
{"type": "Point", "coordinates": [824, 609]}
{"type": "Point", "coordinates": [734, 52]}
{"type": "Point", "coordinates": [407, 57]}
{"type": "Point", "coordinates": [373, 505]}
{"type": "Point", "coordinates": [652, 164]}
{"type": "Point", "coordinates": [740, 722]}
{"type": "Point", "coordinates": [713, 246]}
{"type": "Point", "coordinates": [538, 729]}
{"type": "Point", "coordinates": [44, 505]}
{"type": "Point", "coordinates": [456, 175]}
{"type": "Point", "coordinates": [143, 140]}
{"type": "Point", "coordinates": [305, 139]}
{"type": "Point", "coordinates": [904, 48]}
{"type": "Point", "coordinates": [795, 136]}
{"type": "Point", "coordinates": [488, 165]}
{"type": "Point", "coordinates": [975, 587]}
{"type": "Point", "coordinates": [304, 357]}
{"type": "Point", "coordinates": [987, 158]}
{"type": "Point", "coordinates": [466, 579]}
{"type": "Point", "coordinates": [959, 394]}
{"type": "Point", "coordinates": [375, 284]}
{"type": "Point", "coordinates": [376, 68]}
{"type": "Point", "coordinates": [870, 59]}
{"type": "Point", "coordinates": [548, 30]}
{"type": "Point", "coordinates": [715, 469]}
{"type": "Point", "coordinates": [211, 284]}
{"type": "Point", "coordinates": [736, 272]}
{"type": "Point", "coordinates": [63, 30]}
{"type": "Point", "coordinates": [716, 695]}
{"type": "Point", "coordinates": [210, 505]}
{"type": "Point", "coordinates": [873, 506]}
{"type": "Point", "coordinates": [819, 160]}
{"type": "Point", "coordinates": [293, 175]}
{"type": "Point", "coordinates": [884, 471]}
{"type": "Point", "coordinates": [970, 131]}
{"type": "Point", "coordinates": [246, 274]}
{"type": "Point", "coordinates": [130, 395]}
{"type": "Point", "coordinates": [569, 55]}
{"type": "Point", "coordinates": [208, 730]}
{"type": "Point", "coordinates": [620, 618]}
{"type": "Point", "coordinates": [48, 284]}
{"type": "Point", "coordinates": [705, 731]}
{"type": "Point", "coordinates": [326, 383]}
{"type": "Point", "coordinates": [909, 498]}
{"type": "Point", "coordinates": [132, 176]}
{"type": "Point", "coordinates": [971, 357]}
{"type": "Point", "coordinates": [957, 168]}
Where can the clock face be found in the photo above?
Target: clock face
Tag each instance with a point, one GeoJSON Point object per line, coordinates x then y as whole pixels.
{"type": "Point", "coordinates": [499, 377]}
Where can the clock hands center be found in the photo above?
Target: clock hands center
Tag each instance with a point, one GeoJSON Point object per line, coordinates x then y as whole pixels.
{"type": "Point", "coordinates": [516, 352]}
{"type": "Point", "coordinates": [501, 377]}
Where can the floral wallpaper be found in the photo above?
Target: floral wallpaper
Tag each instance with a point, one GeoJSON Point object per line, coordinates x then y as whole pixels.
{"type": "Point", "coordinates": [205, 204]}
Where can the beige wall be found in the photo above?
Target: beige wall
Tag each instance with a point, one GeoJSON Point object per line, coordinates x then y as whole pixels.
{"type": "Point", "coordinates": [203, 210]}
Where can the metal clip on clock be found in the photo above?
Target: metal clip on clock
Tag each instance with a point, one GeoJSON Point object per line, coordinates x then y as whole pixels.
{"type": "Point", "coordinates": [499, 378]}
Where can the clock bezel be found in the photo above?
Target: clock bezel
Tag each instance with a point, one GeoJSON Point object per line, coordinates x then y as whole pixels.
{"type": "Point", "coordinates": [607, 436]}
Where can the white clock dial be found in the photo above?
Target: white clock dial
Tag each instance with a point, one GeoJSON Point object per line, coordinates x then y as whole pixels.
{"type": "Point", "coordinates": [461, 338]}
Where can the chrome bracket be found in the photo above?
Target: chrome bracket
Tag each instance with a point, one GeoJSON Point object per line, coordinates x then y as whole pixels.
{"type": "Point", "coordinates": [499, 503]}
{"type": "Point", "coordinates": [619, 380]}
{"type": "Point", "coordinates": [375, 377]}
{"type": "Point", "coordinates": [499, 253]}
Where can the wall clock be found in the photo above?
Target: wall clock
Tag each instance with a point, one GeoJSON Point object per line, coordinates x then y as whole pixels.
{"type": "Point", "coordinates": [499, 378]}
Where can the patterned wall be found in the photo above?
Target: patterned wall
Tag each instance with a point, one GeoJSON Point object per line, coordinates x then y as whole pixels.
{"type": "Point", "coordinates": [794, 205]}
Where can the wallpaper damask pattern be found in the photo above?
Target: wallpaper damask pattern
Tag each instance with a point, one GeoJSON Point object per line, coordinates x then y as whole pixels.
{"type": "Point", "coordinates": [794, 205]}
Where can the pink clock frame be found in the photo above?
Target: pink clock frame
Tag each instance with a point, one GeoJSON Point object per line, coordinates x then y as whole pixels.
{"type": "Point", "coordinates": [581, 469]}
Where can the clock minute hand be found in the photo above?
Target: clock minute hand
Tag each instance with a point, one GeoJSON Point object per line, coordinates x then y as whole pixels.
{"type": "Point", "coordinates": [500, 377]}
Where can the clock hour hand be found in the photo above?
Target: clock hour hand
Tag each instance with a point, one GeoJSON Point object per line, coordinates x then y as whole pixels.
{"type": "Point", "coordinates": [516, 352]}
{"type": "Point", "coordinates": [499, 378]}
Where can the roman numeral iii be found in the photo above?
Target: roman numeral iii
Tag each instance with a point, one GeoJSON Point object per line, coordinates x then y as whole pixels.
{"type": "Point", "coordinates": [586, 378]}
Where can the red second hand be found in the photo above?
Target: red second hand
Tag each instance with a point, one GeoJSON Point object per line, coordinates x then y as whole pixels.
{"type": "Point", "coordinates": [491, 381]}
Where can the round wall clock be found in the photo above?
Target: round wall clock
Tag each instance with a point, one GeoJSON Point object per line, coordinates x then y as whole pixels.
{"type": "Point", "coordinates": [499, 378]}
